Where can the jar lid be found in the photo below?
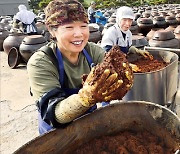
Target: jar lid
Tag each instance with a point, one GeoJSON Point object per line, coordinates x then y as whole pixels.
{"type": "Point", "coordinates": [144, 21]}
{"type": "Point", "coordinates": [33, 39]}
{"type": "Point", "coordinates": [162, 35]}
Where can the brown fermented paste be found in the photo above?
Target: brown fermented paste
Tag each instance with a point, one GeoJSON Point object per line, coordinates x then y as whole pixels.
{"type": "Point", "coordinates": [126, 143]}
{"type": "Point", "coordinates": [115, 60]}
{"type": "Point", "coordinates": [147, 65]}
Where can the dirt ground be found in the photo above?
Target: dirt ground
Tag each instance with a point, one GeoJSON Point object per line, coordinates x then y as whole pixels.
{"type": "Point", "coordinates": [18, 114]}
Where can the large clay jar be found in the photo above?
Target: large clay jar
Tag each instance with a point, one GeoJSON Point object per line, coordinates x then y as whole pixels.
{"type": "Point", "coordinates": [95, 34]}
{"type": "Point", "coordinates": [154, 13]}
{"type": "Point", "coordinates": [14, 58]}
{"type": "Point", "coordinates": [146, 14]}
{"type": "Point", "coordinates": [137, 15]}
{"type": "Point", "coordinates": [151, 33]}
{"type": "Point", "coordinates": [145, 25]}
{"type": "Point", "coordinates": [171, 20]}
{"type": "Point", "coordinates": [164, 39]}
{"type": "Point", "coordinates": [31, 44]}
{"type": "Point", "coordinates": [159, 22]}
{"type": "Point", "coordinates": [177, 33]}
{"type": "Point", "coordinates": [134, 28]}
{"type": "Point", "coordinates": [139, 41]}
{"type": "Point", "coordinates": [163, 13]}
{"type": "Point", "coordinates": [13, 40]}
{"type": "Point", "coordinates": [41, 28]}
{"type": "Point", "coordinates": [178, 18]}
{"type": "Point", "coordinates": [3, 35]}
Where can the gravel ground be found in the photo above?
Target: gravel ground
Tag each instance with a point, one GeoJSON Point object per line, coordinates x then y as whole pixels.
{"type": "Point", "coordinates": [18, 116]}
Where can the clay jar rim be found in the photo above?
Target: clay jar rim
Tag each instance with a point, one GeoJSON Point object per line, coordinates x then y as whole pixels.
{"type": "Point", "coordinates": [33, 39]}
{"type": "Point", "coordinates": [13, 57]}
{"type": "Point", "coordinates": [162, 35]}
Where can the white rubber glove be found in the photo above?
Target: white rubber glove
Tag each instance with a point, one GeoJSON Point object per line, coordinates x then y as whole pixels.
{"type": "Point", "coordinates": [69, 109]}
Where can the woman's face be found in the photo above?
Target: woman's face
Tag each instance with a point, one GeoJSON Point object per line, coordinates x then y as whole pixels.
{"type": "Point", "coordinates": [125, 24]}
{"type": "Point", "coordinates": [72, 37]}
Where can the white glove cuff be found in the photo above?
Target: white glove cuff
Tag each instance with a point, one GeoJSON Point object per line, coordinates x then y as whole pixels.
{"type": "Point", "coordinates": [69, 109]}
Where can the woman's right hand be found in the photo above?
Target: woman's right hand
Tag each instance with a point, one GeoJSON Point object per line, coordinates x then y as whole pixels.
{"type": "Point", "coordinates": [100, 90]}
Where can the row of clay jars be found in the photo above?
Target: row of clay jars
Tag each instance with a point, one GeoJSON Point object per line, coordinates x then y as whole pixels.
{"type": "Point", "coordinates": [30, 44]}
{"type": "Point", "coordinates": [153, 30]}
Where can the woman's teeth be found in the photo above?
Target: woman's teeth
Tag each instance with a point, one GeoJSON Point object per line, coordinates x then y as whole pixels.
{"type": "Point", "coordinates": [77, 43]}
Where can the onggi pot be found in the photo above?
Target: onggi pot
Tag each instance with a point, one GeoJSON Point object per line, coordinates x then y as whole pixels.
{"type": "Point", "coordinates": [121, 116]}
{"type": "Point", "coordinates": [13, 40]}
{"type": "Point", "coordinates": [31, 44]}
{"type": "Point", "coordinates": [164, 39]}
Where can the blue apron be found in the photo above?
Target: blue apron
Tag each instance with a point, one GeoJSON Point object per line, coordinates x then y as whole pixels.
{"type": "Point", "coordinates": [43, 126]}
{"type": "Point", "coordinates": [124, 49]}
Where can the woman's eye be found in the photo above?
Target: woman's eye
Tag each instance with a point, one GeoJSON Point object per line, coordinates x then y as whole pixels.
{"type": "Point", "coordinates": [84, 26]}
{"type": "Point", "coordinates": [69, 27]}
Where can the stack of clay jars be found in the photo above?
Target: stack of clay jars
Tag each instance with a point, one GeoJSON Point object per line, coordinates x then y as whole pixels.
{"type": "Point", "coordinates": [164, 39]}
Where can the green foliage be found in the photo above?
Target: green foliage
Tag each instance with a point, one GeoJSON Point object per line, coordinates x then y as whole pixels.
{"type": "Point", "coordinates": [43, 3]}
{"type": "Point", "coordinates": [39, 5]}
{"type": "Point", "coordinates": [34, 4]}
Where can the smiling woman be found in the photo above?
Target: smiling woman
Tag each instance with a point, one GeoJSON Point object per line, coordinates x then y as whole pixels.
{"type": "Point", "coordinates": [55, 70]}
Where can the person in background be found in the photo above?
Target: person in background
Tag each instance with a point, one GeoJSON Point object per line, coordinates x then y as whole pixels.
{"type": "Point", "coordinates": [100, 19]}
{"type": "Point", "coordinates": [57, 87]}
{"type": "Point", "coordinates": [27, 19]}
{"type": "Point", "coordinates": [92, 12]}
{"type": "Point", "coordinates": [119, 33]}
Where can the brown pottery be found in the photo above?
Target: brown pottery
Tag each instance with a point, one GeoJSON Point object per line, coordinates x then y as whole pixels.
{"type": "Point", "coordinates": [31, 44]}
{"type": "Point", "coordinates": [164, 39]}
{"type": "Point", "coordinates": [145, 25]}
{"type": "Point", "coordinates": [13, 40]}
{"type": "Point", "coordinates": [139, 41]}
{"type": "Point", "coordinates": [14, 58]}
